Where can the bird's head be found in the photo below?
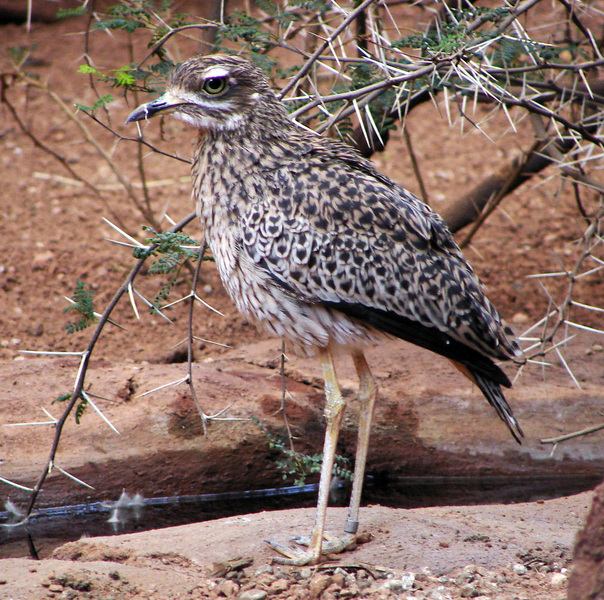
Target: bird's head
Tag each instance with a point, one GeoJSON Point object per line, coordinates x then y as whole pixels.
{"type": "Point", "coordinates": [213, 93]}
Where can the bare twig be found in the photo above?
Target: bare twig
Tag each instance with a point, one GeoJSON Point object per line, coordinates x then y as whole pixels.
{"type": "Point", "coordinates": [7, 81]}
{"type": "Point", "coordinates": [191, 337]}
{"type": "Point", "coordinates": [575, 434]}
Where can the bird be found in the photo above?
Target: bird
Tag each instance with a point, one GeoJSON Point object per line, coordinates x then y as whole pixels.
{"type": "Point", "coordinates": [316, 246]}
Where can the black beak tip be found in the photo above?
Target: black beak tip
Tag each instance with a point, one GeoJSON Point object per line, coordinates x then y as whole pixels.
{"type": "Point", "coordinates": [137, 114]}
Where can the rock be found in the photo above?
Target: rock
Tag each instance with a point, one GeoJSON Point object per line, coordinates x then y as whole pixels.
{"type": "Point", "coordinates": [339, 577]}
{"type": "Point", "coordinates": [587, 577]}
{"type": "Point", "coordinates": [253, 594]}
{"type": "Point", "coordinates": [469, 591]}
{"type": "Point", "coordinates": [279, 585]}
{"type": "Point", "coordinates": [401, 584]}
{"type": "Point", "coordinates": [263, 569]}
{"type": "Point", "coordinates": [40, 260]}
{"type": "Point", "coordinates": [319, 583]}
{"type": "Point", "coordinates": [559, 579]}
{"type": "Point", "coordinates": [465, 577]}
{"type": "Point", "coordinates": [228, 588]}
{"type": "Point", "coordinates": [439, 593]}
{"type": "Point", "coordinates": [520, 569]}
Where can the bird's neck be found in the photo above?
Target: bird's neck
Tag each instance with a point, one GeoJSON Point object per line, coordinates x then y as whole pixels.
{"type": "Point", "coordinates": [257, 144]}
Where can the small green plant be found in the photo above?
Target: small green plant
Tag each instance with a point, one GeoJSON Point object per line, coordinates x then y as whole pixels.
{"type": "Point", "coordinates": [298, 465]}
{"type": "Point", "coordinates": [172, 250]}
{"type": "Point", "coordinates": [79, 411]}
{"type": "Point", "coordinates": [83, 305]}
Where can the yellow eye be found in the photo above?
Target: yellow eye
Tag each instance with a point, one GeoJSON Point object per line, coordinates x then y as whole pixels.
{"type": "Point", "coordinates": [214, 85]}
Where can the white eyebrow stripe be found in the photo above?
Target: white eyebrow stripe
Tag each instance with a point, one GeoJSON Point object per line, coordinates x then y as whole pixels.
{"type": "Point", "coordinates": [216, 72]}
{"type": "Point", "coordinates": [200, 100]}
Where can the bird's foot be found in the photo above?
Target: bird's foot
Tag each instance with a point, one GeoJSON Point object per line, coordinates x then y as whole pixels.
{"type": "Point", "coordinates": [299, 556]}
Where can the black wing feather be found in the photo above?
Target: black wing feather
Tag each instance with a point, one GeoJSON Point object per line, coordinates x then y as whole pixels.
{"type": "Point", "coordinates": [429, 338]}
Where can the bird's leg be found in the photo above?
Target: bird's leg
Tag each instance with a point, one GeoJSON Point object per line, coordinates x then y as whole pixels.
{"type": "Point", "coordinates": [367, 394]}
{"type": "Point", "coordinates": [334, 412]}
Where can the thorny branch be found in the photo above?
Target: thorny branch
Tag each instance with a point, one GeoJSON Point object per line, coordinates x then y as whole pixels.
{"type": "Point", "coordinates": [78, 391]}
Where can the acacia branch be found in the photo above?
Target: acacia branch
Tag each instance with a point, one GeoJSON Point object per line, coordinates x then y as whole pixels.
{"type": "Point", "coordinates": [81, 376]}
{"type": "Point", "coordinates": [322, 47]}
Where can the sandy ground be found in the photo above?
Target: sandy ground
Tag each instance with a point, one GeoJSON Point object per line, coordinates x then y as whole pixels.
{"type": "Point", "coordinates": [501, 551]}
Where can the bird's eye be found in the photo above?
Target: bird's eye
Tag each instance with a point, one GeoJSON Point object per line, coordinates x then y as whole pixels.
{"type": "Point", "coordinates": [214, 85]}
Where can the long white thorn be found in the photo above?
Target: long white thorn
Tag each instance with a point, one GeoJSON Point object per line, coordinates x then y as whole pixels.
{"type": "Point", "coordinates": [208, 306]}
{"type": "Point", "coordinates": [76, 479]}
{"type": "Point", "coordinates": [166, 385]}
{"type": "Point", "coordinates": [51, 353]}
{"type": "Point", "coordinates": [150, 305]}
{"type": "Point", "coordinates": [572, 375]}
{"type": "Point", "coordinates": [29, 424]}
{"type": "Point", "coordinates": [584, 327]}
{"type": "Point", "coordinates": [132, 301]}
{"type": "Point", "coordinates": [587, 306]}
{"type": "Point", "coordinates": [99, 412]}
{"type": "Point", "coordinates": [16, 485]}
{"type": "Point", "coordinates": [123, 233]}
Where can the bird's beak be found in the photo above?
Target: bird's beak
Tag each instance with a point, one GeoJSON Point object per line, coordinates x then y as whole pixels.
{"type": "Point", "coordinates": [164, 104]}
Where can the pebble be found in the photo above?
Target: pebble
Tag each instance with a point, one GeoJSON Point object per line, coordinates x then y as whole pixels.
{"type": "Point", "coordinates": [279, 585]}
{"type": "Point", "coordinates": [228, 588]}
{"type": "Point", "coordinates": [559, 579]}
{"type": "Point", "coordinates": [469, 591]}
{"type": "Point", "coordinates": [253, 594]}
{"type": "Point", "coordinates": [319, 583]}
{"type": "Point", "coordinates": [263, 569]}
{"type": "Point", "coordinates": [401, 584]}
{"type": "Point", "coordinates": [520, 569]}
{"type": "Point", "coordinates": [339, 577]}
{"type": "Point", "coordinates": [439, 594]}
{"type": "Point", "coordinates": [465, 577]}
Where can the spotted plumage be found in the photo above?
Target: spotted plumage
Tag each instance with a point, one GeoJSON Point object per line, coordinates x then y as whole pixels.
{"type": "Point", "coordinates": [314, 245]}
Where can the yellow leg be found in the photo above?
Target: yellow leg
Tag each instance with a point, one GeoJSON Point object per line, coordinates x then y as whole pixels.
{"type": "Point", "coordinates": [367, 394]}
{"type": "Point", "coordinates": [334, 412]}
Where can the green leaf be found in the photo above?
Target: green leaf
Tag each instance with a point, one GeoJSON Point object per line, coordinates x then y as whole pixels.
{"type": "Point", "coordinates": [89, 70]}
{"type": "Point", "coordinates": [78, 11]}
{"type": "Point", "coordinates": [62, 398]}
{"type": "Point", "coordinates": [124, 78]}
{"type": "Point", "coordinates": [79, 408]}
{"type": "Point", "coordinates": [98, 104]}
{"type": "Point", "coordinates": [83, 305]}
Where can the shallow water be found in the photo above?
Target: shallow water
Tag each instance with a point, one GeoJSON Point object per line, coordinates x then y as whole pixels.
{"type": "Point", "coordinates": [51, 527]}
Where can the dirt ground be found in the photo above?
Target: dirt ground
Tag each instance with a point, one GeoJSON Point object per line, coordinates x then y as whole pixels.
{"type": "Point", "coordinates": [429, 421]}
{"type": "Point", "coordinates": [505, 552]}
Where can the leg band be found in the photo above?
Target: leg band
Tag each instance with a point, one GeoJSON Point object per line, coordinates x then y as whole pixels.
{"type": "Point", "coordinates": [351, 526]}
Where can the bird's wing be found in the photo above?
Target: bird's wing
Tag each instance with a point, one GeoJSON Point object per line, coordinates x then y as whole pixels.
{"type": "Point", "coordinates": [344, 236]}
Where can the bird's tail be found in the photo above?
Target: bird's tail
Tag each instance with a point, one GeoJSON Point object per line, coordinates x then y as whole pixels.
{"type": "Point", "coordinates": [492, 392]}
